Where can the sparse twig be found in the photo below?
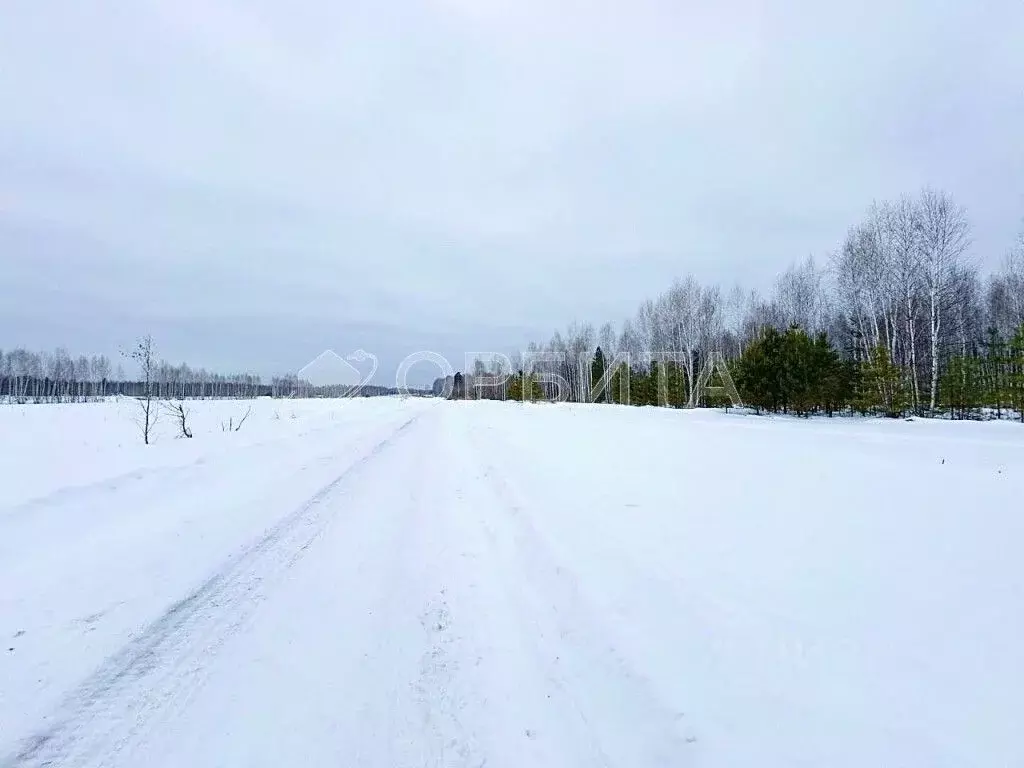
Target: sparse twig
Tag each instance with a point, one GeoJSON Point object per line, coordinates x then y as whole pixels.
{"type": "Point", "coordinates": [180, 414]}
{"type": "Point", "coordinates": [240, 423]}
{"type": "Point", "coordinates": [230, 426]}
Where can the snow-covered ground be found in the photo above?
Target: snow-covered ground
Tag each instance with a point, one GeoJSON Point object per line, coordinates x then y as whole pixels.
{"type": "Point", "coordinates": [389, 582]}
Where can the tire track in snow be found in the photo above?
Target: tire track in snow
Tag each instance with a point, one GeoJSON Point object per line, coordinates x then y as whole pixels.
{"type": "Point", "coordinates": [443, 702]}
{"type": "Point", "coordinates": [446, 742]}
{"type": "Point", "coordinates": [157, 673]}
{"type": "Point", "coordinates": [627, 723]}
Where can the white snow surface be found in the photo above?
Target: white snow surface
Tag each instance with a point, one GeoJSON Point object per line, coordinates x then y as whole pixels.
{"type": "Point", "coordinates": [397, 583]}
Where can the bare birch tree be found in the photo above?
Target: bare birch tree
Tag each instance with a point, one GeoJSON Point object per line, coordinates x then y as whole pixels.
{"type": "Point", "coordinates": [944, 238]}
{"type": "Point", "coordinates": [1006, 292]}
{"type": "Point", "coordinates": [145, 355]}
{"type": "Point", "coordinates": [907, 266]}
{"type": "Point", "coordinates": [683, 318]}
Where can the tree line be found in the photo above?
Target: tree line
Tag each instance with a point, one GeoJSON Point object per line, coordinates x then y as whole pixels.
{"type": "Point", "coordinates": [59, 377]}
{"type": "Point", "coordinates": [898, 320]}
{"type": "Point", "coordinates": [39, 377]}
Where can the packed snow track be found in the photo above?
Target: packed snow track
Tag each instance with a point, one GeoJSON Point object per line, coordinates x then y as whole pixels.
{"type": "Point", "coordinates": [406, 583]}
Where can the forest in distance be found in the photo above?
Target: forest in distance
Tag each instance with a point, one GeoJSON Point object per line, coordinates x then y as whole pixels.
{"type": "Point", "coordinates": [898, 320]}
{"type": "Point", "coordinates": [58, 377]}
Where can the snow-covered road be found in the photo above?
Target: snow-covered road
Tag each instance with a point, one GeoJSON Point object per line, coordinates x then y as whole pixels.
{"type": "Point", "coordinates": [421, 583]}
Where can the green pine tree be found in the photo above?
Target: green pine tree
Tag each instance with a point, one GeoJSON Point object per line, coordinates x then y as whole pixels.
{"type": "Point", "coordinates": [994, 369]}
{"type": "Point", "coordinates": [719, 398]}
{"type": "Point", "coordinates": [759, 372]}
{"type": "Point", "coordinates": [515, 387]}
{"type": "Point", "coordinates": [1015, 372]}
{"type": "Point", "coordinates": [882, 387]}
{"type": "Point", "coordinates": [675, 384]}
{"type": "Point", "coordinates": [644, 385]}
{"type": "Point", "coordinates": [798, 372]}
{"type": "Point", "coordinates": [961, 387]}
{"type": "Point", "coordinates": [597, 369]}
{"type": "Point", "coordinates": [834, 378]}
{"type": "Point", "coordinates": [619, 377]}
{"type": "Point", "coordinates": [525, 387]}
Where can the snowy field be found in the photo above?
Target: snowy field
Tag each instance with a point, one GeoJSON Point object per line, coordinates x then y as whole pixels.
{"type": "Point", "coordinates": [395, 583]}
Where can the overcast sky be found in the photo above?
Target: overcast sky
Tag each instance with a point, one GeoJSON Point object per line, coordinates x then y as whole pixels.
{"type": "Point", "coordinates": [253, 181]}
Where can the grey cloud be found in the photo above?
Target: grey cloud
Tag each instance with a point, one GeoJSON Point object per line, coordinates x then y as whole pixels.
{"type": "Point", "coordinates": [468, 172]}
